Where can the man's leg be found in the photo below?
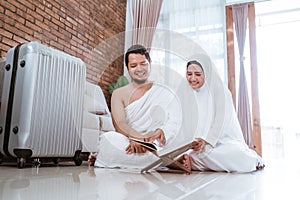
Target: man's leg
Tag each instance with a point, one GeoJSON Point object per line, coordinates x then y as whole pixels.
{"type": "Point", "coordinates": [92, 159]}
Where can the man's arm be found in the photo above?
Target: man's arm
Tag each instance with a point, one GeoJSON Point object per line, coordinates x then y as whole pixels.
{"type": "Point", "coordinates": [119, 120]}
{"type": "Point", "coordinates": [118, 114]}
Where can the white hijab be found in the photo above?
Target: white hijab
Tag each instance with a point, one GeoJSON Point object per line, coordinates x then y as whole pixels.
{"type": "Point", "coordinates": [203, 110]}
{"type": "Point", "coordinates": [211, 103]}
{"type": "Point", "coordinates": [204, 103]}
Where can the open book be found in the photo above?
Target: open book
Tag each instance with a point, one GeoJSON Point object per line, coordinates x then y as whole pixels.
{"type": "Point", "coordinates": [166, 159]}
{"type": "Point", "coordinates": [149, 146]}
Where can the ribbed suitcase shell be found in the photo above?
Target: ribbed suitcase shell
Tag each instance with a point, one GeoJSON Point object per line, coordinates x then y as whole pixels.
{"type": "Point", "coordinates": [44, 93]}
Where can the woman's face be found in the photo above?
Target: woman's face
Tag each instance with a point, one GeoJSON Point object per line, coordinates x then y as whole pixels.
{"type": "Point", "coordinates": [195, 76]}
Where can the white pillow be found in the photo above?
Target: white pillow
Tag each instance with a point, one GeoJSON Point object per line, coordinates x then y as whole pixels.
{"type": "Point", "coordinates": [91, 121]}
{"type": "Point", "coordinates": [93, 106]}
{"type": "Point", "coordinates": [106, 123]}
{"type": "Point", "coordinates": [94, 100]}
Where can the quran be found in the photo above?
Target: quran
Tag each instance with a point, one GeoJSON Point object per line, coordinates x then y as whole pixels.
{"type": "Point", "coordinates": [161, 165]}
{"type": "Point", "coordinates": [149, 146]}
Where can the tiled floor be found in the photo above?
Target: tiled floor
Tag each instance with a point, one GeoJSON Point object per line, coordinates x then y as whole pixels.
{"type": "Point", "coordinates": [279, 180]}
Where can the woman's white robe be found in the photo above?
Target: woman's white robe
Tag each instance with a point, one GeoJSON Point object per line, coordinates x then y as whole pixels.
{"type": "Point", "coordinates": [219, 126]}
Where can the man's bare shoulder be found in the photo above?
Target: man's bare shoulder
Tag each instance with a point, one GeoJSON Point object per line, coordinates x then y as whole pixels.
{"type": "Point", "coordinates": [122, 90]}
{"type": "Point", "coordinates": [122, 94]}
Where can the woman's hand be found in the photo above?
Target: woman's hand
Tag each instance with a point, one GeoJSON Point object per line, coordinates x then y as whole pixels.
{"type": "Point", "coordinates": [199, 145]}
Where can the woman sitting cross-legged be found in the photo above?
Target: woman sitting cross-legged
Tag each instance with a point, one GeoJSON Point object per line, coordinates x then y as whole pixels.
{"type": "Point", "coordinates": [220, 145]}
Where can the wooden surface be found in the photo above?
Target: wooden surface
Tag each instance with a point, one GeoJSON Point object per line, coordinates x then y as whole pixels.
{"type": "Point", "coordinates": [256, 134]}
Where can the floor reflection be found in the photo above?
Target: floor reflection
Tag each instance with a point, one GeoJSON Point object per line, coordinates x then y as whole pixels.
{"type": "Point", "coordinates": [279, 179]}
{"type": "Point", "coordinates": [70, 182]}
{"type": "Point", "coordinates": [208, 185]}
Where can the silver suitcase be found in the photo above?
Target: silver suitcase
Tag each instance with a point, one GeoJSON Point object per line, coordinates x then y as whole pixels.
{"type": "Point", "coordinates": [41, 104]}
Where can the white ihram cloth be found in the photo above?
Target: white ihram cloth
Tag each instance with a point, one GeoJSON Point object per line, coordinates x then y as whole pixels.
{"type": "Point", "coordinates": [219, 126]}
{"type": "Point", "coordinates": [157, 108]}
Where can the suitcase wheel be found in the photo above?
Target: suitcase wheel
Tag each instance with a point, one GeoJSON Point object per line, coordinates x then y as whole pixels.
{"type": "Point", "coordinates": [55, 161]}
{"type": "Point", "coordinates": [21, 162]}
{"type": "Point", "coordinates": [77, 158]}
{"type": "Point", "coordinates": [36, 162]}
{"type": "Point", "coordinates": [1, 158]}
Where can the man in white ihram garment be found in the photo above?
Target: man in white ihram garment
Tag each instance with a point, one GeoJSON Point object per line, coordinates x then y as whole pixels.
{"type": "Point", "coordinates": [143, 110]}
{"type": "Point", "coordinates": [220, 143]}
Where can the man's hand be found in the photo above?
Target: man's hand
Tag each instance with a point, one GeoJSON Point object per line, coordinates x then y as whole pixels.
{"type": "Point", "coordinates": [199, 145]}
{"type": "Point", "coordinates": [159, 136]}
{"type": "Point", "coordinates": [135, 147]}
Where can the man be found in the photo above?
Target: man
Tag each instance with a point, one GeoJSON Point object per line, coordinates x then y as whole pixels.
{"type": "Point", "coordinates": [141, 110]}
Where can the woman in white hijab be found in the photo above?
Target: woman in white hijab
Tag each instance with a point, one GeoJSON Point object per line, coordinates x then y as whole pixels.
{"type": "Point", "coordinates": [220, 143]}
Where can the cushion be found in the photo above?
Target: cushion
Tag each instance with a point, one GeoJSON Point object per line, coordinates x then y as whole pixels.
{"type": "Point", "coordinates": [106, 123]}
{"type": "Point", "coordinates": [94, 99]}
{"type": "Point", "coordinates": [91, 121]}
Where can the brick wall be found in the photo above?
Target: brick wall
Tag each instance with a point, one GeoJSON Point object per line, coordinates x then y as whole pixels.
{"type": "Point", "coordinates": [83, 28]}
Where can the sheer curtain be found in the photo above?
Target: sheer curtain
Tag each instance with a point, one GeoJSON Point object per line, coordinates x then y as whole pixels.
{"type": "Point", "coordinates": [141, 20]}
{"type": "Point", "coordinates": [202, 21]}
{"type": "Point", "coordinates": [240, 16]}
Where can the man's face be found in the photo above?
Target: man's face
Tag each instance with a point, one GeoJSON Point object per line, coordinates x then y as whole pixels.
{"type": "Point", "coordinates": [138, 68]}
{"type": "Point", "coordinates": [195, 76]}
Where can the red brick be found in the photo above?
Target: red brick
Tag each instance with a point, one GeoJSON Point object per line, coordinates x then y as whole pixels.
{"type": "Point", "coordinates": [38, 36]}
{"type": "Point", "coordinates": [25, 16]}
{"type": "Point", "coordinates": [19, 39]}
{"type": "Point", "coordinates": [30, 38]}
{"type": "Point", "coordinates": [9, 28]}
{"type": "Point", "coordinates": [33, 27]}
{"type": "Point", "coordinates": [71, 31]}
{"type": "Point", "coordinates": [76, 39]}
{"type": "Point", "coordinates": [9, 42]}
{"type": "Point", "coordinates": [67, 35]}
{"type": "Point", "coordinates": [26, 4]}
{"type": "Point", "coordinates": [35, 15]}
{"type": "Point", "coordinates": [72, 21]}
{"type": "Point", "coordinates": [82, 37]}
{"type": "Point", "coordinates": [4, 47]}
{"type": "Point", "coordinates": [42, 25]}
{"type": "Point", "coordinates": [9, 5]}
{"type": "Point", "coordinates": [50, 12]}
{"type": "Point", "coordinates": [64, 43]}
{"type": "Point", "coordinates": [55, 5]}
{"type": "Point", "coordinates": [1, 9]}
{"type": "Point", "coordinates": [76, 27]}
{"type": "Point", "coordinates": [43, 13]}
{"type": "Point", "coordinates": [57, 23]}
{"type": "Point", "coordinates": [56, 45]}
{"type": "Point", "coordinates": [65, 22]}
{"type": "Point", "coordinates": [37, 4]}
{"type": "Point", "coordinates": [24, 29]}
{"type": "Point", "coordinates": [8, 20]}
{"type": "Point", "coordinates": [6, 33]}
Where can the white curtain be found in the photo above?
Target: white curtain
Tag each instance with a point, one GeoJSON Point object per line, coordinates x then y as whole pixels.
{"type": "Point", "coordinates": [203, 22]}
{"type": "Point", "coordinates": [240, 16]}
{"type": "Point", "coordinates": [141, 21]}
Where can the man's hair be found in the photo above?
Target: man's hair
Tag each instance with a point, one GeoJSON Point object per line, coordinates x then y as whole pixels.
{"type": "Point", "coordinates": [137, 49]}
{"type": "Point", "coordinates": [195, 62]}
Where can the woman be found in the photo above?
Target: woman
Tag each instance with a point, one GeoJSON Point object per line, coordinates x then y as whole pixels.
{"type": "Point", "coordinates": [220, 143]}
